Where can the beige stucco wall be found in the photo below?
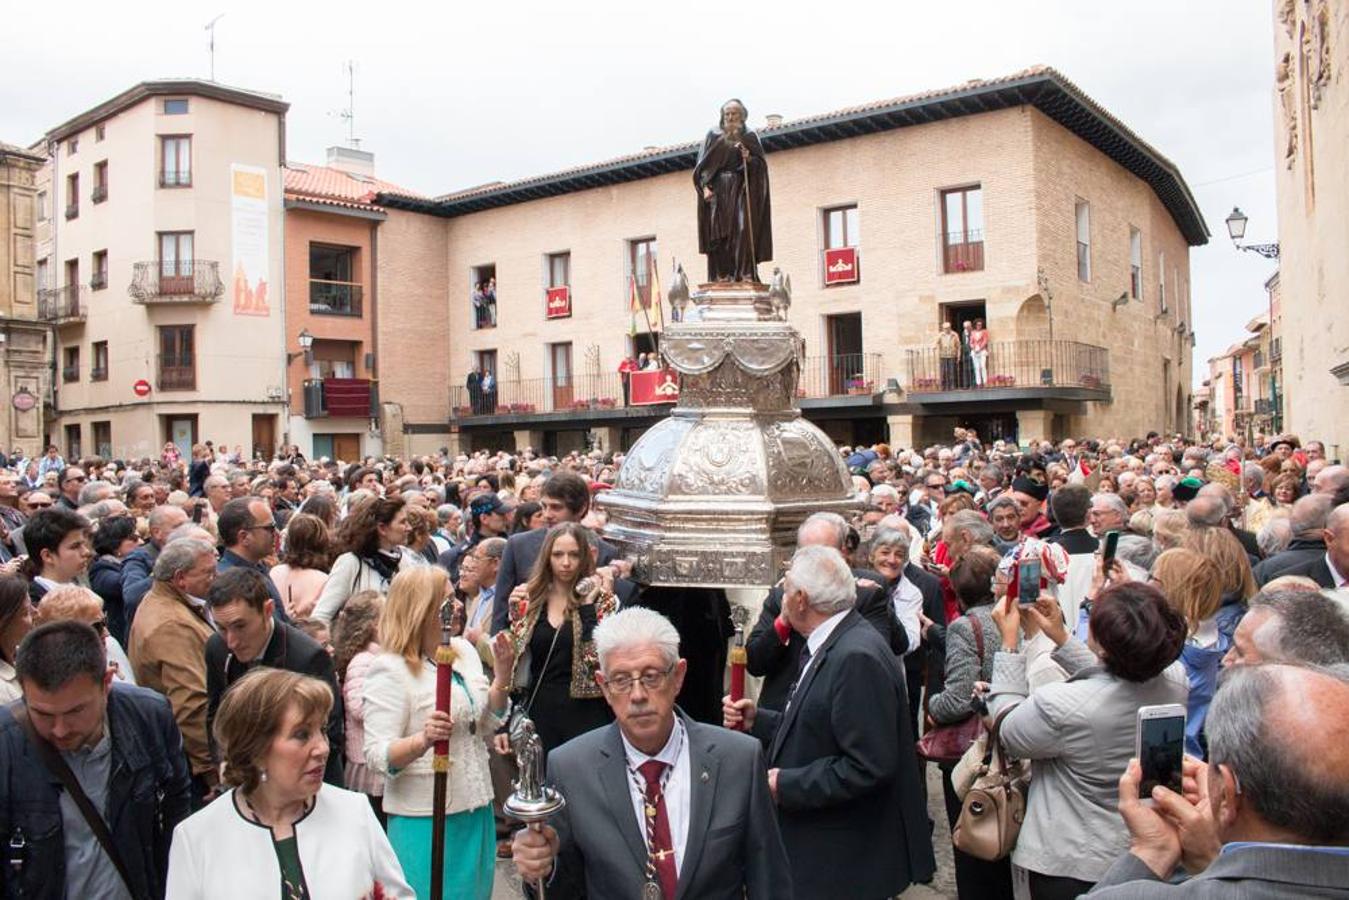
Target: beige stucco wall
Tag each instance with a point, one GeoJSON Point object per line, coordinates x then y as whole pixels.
{"type": "Point", "coordinates": [239, 358]}
{"type": "Point", "coordinates": [1311, 105]}
{"type": "Point", "coordinates": [23, 355]}
{"type": "Point", "coordinates": [1030, 169]}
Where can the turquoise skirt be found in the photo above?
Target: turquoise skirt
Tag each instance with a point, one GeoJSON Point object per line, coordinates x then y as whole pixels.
{"type": "Point", "coordinates": [470, 853]}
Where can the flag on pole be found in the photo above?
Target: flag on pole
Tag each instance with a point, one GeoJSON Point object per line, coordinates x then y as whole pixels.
{"type": "Point", "coordinates": [633, 303]}
{"type": "Point", "coordinates": [655, 293]}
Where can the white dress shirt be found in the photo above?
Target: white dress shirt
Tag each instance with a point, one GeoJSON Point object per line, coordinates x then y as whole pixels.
{"type": "Point", "coordinates": [1335, 574]}
{"type": "Point", "coordinates": [815, 640]}
{"type": "Point", "coordinates": [675, 753]}
{"type": "Point", "coordinates": [908, 602]}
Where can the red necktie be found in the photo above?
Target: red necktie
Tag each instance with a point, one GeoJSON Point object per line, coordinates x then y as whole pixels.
{"type": "Point", "coordinates": [662, 848]}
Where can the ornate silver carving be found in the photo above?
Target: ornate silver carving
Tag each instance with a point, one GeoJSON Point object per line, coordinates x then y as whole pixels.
{"type": "Point", "coordinates": [712, 496]}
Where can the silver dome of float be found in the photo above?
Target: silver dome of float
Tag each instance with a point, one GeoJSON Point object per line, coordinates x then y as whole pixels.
{"type": "Point", "coordinates": [712, 496]}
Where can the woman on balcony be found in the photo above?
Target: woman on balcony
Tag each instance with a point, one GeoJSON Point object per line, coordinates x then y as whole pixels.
{"type": "Point", "coordinates": [979, 352]}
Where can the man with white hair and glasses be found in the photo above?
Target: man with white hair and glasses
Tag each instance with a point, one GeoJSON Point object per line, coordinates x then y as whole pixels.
{"type": "Point", "coordinates": [655, 800]}
{"type": "Point", "coordinates": [841, 760]}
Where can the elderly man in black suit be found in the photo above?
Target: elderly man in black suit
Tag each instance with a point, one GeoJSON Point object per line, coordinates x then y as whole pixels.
{"type": "Point", "coordinates": [774, 649]}
{"type": "Point", "coordinates": [1330, 569]}
{"type": "Point", "coordinates": [841, 762]}
{"type": "Point", "coordinates": [655, 799]}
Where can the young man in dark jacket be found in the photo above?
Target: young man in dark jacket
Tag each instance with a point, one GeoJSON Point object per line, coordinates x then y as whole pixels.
{"type": "Point", "coordinates": [122, 747]}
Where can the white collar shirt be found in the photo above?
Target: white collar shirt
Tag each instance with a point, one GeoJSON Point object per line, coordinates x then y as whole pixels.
{"type": "Point", "coordinates": [1339, 579]}
{"type": "Point", "coordinates": [675, 753]}
{"type": "Point", "coordinates": [817, 638]}
{"type": "Point", "coordinates": [908, 602]}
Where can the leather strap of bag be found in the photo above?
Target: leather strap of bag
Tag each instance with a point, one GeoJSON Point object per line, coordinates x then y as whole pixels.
{"type": "Point", "coordinates": [57, 766]}
{"type": "Point", "coordinates": [994, 744]}
{"type": "Point", "coordinates": [979, 651]}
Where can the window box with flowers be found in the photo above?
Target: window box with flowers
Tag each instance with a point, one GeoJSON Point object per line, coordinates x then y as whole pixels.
{"type": "Point", "coordinates": [859, 385]}
{"type": "Point", "coordinates": [517, 408]}
{"type": "Point", "coordinates": [1091, 381]}
{"type": "Point", "coordinates": [926, 384]}
{"type": "Point", "coordinates": [607, 403]}
{"type": "Point", "coordinates": [1001, 381]}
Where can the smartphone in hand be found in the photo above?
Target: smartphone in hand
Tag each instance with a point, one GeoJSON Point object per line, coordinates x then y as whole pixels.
{"type": "Point", "coordinates": [1108, 549]}
{"type": "Point", "coordinates": [1160, 748]}
{"type": "Point", "coordinates": [1027, 581]}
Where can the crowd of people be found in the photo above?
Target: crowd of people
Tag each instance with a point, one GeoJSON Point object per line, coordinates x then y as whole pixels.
{"type": "Point", "coordinates": [203, 660]}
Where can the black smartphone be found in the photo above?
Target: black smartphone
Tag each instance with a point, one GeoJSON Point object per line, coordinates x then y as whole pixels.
{"type": "Point", "coordinates": [1109, 547]}
{"type": "Point", "coordinates": [196, 513]}
{"type": "Point", "coordinates": [1160, 746]}
{"type": "Point", "coordinates": [1027, 581]}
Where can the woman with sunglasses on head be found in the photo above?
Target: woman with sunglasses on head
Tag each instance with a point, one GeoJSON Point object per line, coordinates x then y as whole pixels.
{"type": "Point", "coordinates": [371, 542]}
{"type": "Point", "coordinates": [74, 603]}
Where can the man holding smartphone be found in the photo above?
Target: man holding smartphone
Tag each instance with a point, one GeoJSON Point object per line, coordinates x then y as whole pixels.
{"type": "Point", "coordinates": [1267, 816]}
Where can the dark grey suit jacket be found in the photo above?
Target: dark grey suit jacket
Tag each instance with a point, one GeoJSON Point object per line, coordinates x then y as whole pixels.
{"type": "Point", "coordinates": [850, 799]}
{"type": "Point", "coordinates": [517, 562]}
{"type": "Point", "coordinates": [1245, 873]}
{"type": "Point", "coordinates": [734, 849]}
{"type": "Point", "coordinates": [1315, 569]}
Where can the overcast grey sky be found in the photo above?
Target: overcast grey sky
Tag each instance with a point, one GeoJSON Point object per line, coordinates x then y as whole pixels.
{"type": "Point", "coordinates": [457, 94]}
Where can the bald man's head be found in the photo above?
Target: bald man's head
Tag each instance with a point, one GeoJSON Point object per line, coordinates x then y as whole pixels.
{"type": "Point", "coordinates": [1208, 510]}
{"type": "Point", "coordinates": [1331, 480]}
{"type": "Point", "coordinates": [1278, 740]}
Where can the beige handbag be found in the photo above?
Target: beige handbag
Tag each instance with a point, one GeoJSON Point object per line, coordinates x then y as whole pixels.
{"type": "Point", "coordinates": [995, 805]}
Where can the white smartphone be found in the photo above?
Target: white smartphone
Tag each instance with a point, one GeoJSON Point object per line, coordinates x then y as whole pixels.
{"type": "Point", "coordinates": [1160, 748]}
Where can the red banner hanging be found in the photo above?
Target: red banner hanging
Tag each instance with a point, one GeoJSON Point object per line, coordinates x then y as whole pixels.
{"type": "Point", "coordinates": [558, 302]}
{"type": "Point", "coordinates": [654, 386]}
{"type": "Point", "coordinates": [840, 265]}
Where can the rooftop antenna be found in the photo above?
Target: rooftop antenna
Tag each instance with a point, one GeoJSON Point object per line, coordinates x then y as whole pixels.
{"type": "Point", "coordinates": [210, 26]}
{"type": "Point", "coordinates": [350, 112]}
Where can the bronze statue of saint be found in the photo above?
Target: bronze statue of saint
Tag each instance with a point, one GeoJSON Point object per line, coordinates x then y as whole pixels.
{"type": "Point", "coordinates": [735, 228]}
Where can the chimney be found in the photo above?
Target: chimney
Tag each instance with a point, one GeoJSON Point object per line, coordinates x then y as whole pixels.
{"type": "Point", "coordinates": [352, 161]}
{"type": "Point", "coordinates": [774, 120]}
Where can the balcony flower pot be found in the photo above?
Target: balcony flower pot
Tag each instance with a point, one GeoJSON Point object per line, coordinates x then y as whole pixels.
{"type": "Point", "coordinates": [607, 403]}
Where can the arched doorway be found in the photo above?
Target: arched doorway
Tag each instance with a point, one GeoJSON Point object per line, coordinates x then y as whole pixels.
{"type": "Point", "coordinates": [1032, 319]}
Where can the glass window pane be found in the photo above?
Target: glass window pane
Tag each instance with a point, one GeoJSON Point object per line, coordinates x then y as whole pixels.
{"type": "Point", "coordinates": [974, 212]}
{"type": "Point", "coordinates": [955, 217]}
{"type": "Point", "coordinates": [1083, 223]}
{"type": "Point", "coordinates": [853, 235]}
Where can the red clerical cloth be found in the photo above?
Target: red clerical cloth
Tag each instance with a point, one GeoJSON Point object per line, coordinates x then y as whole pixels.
{"type": "Point", "coordinates": [559, 303]}
{"type": "Point", "coordinates": [655, 386]}
{"type": "Point", "coordinates": [347, 396]}
{"type": "Point", "coordinates": [661, 846]}
{"type": "Point", "coordinates": [840, 265]}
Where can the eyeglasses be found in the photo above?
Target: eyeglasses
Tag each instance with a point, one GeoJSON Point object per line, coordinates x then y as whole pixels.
{"type": "Point", "coordinates": [651, 679]}
{"type": "Point", "coordinates": [32, 505]}
{"type": "Point", "coordinates": [78, 478]}
{"type": "Point", "coordinates": [100, 625]}
{"type": "Point", "coordinates": [270, 526]}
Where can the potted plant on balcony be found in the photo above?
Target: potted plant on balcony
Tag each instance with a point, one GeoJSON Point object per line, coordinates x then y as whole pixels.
{"type": "Point", "coordinates": [607, 403]}
{"type": "Point", "coordinates": [1091, 381]}
{"type": "Point", "coordinates": [925, 384]}
{"type": "Point", "coordinates": [1002, 381]}
{"type": "Point", "coordinates": [857, 384]}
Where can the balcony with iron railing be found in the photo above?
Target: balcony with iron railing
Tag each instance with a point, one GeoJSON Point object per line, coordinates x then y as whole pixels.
{"type": "Point", "coordinates": [176, 283]}
{"type": "Point", "coordinates": [345, 397]}
{"type": "Point", "coordinates": [177, 372]}
{"type": "Point", "coordinates": [1275, 349]}
{"type": "Point", "coordinates": [335, 298]}
{"type": "Point", "coordinates": [98, 373]}
{"type": "Point", "coordinates": [840, 375]}
{"type": "Point", "coordinates": [70, 373]}
{"type": "Point", "coordinates": [72, 210]}
{"type": "Point", "coordinates": [62, 306]}
{"type": "Point", "coordinates": [962, 251]}
{"type": "Point", "coordinates": [1025, 369]}
{"type": "Point", "coordinates": [171, 178]}
{"type": "Point", "coordinates": [99, 194]}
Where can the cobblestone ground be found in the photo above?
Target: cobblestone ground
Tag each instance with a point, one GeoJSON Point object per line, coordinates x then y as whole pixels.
{"type": "Point", "coordinates": [943, 886]}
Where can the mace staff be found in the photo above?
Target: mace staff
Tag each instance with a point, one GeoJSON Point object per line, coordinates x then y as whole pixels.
{"type": "Point", "coordinates": [749, 215]}
{"type": "Point", "coordinates": [440, 760]}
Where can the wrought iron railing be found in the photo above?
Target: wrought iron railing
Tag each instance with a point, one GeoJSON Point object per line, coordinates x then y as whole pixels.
{"type": "Point", "coordinates": [840, 374]}
{"type": "Point", "coordinates": [180, 281]}
{"type": "Point", "coordinates": [65, 304]}
{"type": "Point", "coordinates": [1011, 364]}
{"type": "Point", "coordinates": [962, 251]}
{"type": "Point", "coordinates": [526, 396]}
{"type": "Point", "coordinates": [175, 179]}
{"type": "Point", "coordinates": [335, 298]}
{"type": "Point", "coordinates": [177, 373]}
{"type": "Point", "coordinates": [70, 373]}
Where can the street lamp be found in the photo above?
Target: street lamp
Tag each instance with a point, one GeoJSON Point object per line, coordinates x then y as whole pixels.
{"type": "Point", "coordinates": [306, 347]}
{"type": "Point", "coordinates": [1236, 229]}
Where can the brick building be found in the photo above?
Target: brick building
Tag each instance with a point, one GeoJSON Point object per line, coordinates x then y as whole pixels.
{"type": "Point", "coordinates": [333, 257]}
{"type": "Point", "coordinates": [24, 370]}
{"type": "Point", "coordinates": [1017, 200]}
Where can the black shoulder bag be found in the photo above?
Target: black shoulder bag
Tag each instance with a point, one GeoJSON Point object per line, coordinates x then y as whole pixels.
{"type": "Point", "coordinates": [57, 766]}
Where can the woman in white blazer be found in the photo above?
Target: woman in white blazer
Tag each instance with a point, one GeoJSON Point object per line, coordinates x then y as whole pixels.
{"type": "Point", "coordinates": [280, 832]}
{"type": "Point", "coordinates": [402, 724]}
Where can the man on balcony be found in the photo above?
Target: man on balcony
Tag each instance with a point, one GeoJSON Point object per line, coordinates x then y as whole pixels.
{"type": "Point", "coordinates": [948, 352]}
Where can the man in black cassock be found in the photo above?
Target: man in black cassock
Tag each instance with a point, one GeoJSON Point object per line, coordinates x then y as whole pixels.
{"type": "Point", "coordinates": [735, 231]}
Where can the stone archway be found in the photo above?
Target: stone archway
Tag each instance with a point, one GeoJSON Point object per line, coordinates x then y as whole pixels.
{"type": "Point", "coordinates": [1032, 319]}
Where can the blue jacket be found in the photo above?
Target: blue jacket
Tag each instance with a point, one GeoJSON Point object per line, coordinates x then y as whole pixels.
{"type": "Point", "coordinates": [1202, 666]}
{"type": "Point", "coordinates": [147, 797]}
{"type": "Point", "coordinates": [136, 578]}
{"type": "Point", "coordinates": [230, 560]}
